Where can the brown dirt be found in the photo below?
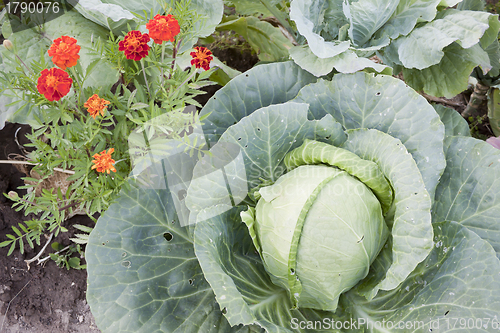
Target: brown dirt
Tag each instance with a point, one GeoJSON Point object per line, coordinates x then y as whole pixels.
{"type": "Point", "coordinates": [44, 298]}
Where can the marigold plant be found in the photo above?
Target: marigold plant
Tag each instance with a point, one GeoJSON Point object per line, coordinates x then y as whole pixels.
{"type": "Point", "coordinates": [103, 161]}
{"type": "Point", "coordinates": [96, 105]}
{"type": "Point", "coordinates": [135, 45]}
{"type": "Point", "coordinates": [54, 84]}
{"type": "Point", "coordinates": [64, 52]}
{"type": "Point", "coordinates": [201, 57]}
{"type": "Point", "coordinates": [163, 28]}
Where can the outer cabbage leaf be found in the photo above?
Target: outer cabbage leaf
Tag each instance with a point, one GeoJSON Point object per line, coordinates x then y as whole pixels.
{"type": "Point", "coordinates": [268, 41]}
{"type": "Point", "coordinates": [459, 279]}
{"type": "Point", "coordinates": [406, 16]}
{"type": "Point", "coordinates": [450, 76]}
{"type": "Point", "coordinates": [109, 15]}
{"type": "Point", "coordinates": [454, 123]}
{"type": "Point", "coordinates": [346, 62]}
{"type": "Point", "coordinates": [411, 230]}
{"type": "Point", "coordinates": [261, 86]}
{"type": "Point", "coordinates": [384, 103]}
{"type": "Point", "coordinates": [469, 191]}
{"type": "Point", "coordinates": [143, 273]}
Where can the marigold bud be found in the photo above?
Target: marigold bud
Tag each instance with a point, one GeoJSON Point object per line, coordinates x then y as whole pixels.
{"type": "Point", "coordinates": [8, 44]}
{"type": "Point", "coordinates": [13, 195]}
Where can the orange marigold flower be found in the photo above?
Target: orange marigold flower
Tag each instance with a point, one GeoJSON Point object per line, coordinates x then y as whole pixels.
{"type": "Point", "coordinates": [135, 45]}
{"type": "Point", "coordinates": [54, 84]}
{"type": "Point", "coordinates": [95, 105]}
{"type": "Point", "coordinates": [104, 162]}
{"type": "Point", "coordinates": [64, 52]}
{"type": "Point", "coordinates": [163, 28]}
{"type": "Point", "coordinates": [201, 57]}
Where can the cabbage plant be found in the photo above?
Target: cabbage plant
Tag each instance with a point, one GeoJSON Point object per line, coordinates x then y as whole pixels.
{"type": "Point", "coordinates": [348, 204]}
{"type": "Point", "coordinates": [435, 46]}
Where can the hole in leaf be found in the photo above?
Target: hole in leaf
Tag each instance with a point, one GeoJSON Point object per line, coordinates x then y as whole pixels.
{"type": "Point", "coordinates": [191, 281]}
{"type": "Point", "coordinates": [182, 194]}
{"type": "Point", "coordinates": [126, 263]}
{"type": "Point", "coordinates": [447, 312]}
{"type": "Point", "coordinates": [224, 311]}
{"type": "Point", "coordinates": [246, 146]}
{"type": "Point", "coordinates": [239, 139]}
{"type": "Point", "coordinates": [328, 137]}
{"type": "Point", "coordinates": [258, 129]}
{"type": "Point", "coordinates": [378, 93]}
{"type": "Point", "coordinates": [124, 254]}
{"type": "Point", "coordinates": [168, 236]}
{"type": "Point", "coordinates": [292, 271]}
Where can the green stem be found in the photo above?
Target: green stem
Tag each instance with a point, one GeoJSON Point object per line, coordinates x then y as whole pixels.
{"type": "Point", "coordinates": [162, 58]}
{"type": "Point", "coordinates": [72, 69]}
{"type": "Point", "coordinates": [145, 78]}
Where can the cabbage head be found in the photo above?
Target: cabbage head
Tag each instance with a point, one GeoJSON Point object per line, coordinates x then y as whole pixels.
{"type": "Point", "coordinates": [342, 205]}
{"type": "Point", "coordinates": [318, 227]}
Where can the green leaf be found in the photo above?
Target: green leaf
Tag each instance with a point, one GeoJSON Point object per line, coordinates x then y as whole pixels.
{"type": "Point", "coordinates": [113, 16]}
{"type": "Point", "coordinates": [406, 16]}
{"type": "Point", "coordinates": [411, 230]}
{"type": "Point", "coordinates": [143, 273]}
{"type": "Point", "coordinates": [423, 47]}
{"type": "Point", "coordinates": [454, 123]}
{"type": "Point", "coordinates": [384, 103]}
{"type": "Point", "coordinates": [240, 282]}
{"type": "Point", "coordinates": [366, 17]}
{"type": "Point", "coordinates": [346, 62]}
{"type": "Point", "coordinates": [469, 191]}
{"type": "Point", "coordinates": [11, 249]}
{"type": "Point", "coordinates": [260, 86]}
{"type": "Point", "coordinates": [267, 41]}
{"type": "Point", "coordinates": [312, 16]}
{"type": "Point", "coordinates": [457, 280]}
{"type": "Point", "coordinates": [450, 76]}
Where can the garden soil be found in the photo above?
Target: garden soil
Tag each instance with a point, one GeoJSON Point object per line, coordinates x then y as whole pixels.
{"type": "Point", "coordinates": [46, 298]}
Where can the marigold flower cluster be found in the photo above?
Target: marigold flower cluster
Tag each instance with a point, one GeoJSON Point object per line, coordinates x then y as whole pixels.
{"type": "Point", "coordinates": [96, 105]}
{"type": "Point", "coordinates": [201, 57]}
{"type": "Point", "coordinates": [103, 161]}
{"type": "Point", "coordinates": [55, 83]}
{"type": "Point", "coordinates": [135, 45]}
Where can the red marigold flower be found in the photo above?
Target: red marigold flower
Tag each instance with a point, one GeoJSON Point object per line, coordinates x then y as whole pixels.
{"type": "Point", "coordinates": [104, 162]}
{"type": "Point", "coordinates": [163, 28]}
{"type": "Point", "coordinates": [54, 84]}
{"type": "Point", "coordinates": [95, 105]}
{"type": "Point", "coordinates": [135, 45]}
{"type": "Point", "coordinates": [201, 57]}
{"type": "Point", "coordinates": [64, 52]}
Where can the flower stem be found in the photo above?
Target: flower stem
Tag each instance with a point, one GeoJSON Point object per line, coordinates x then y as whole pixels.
{"type": "Point", "coordinates": [72, 69]}
{"type": "Point", "coordinates": [162, 58]}
{"type": "Point", "coordinates": [174, 55]}
{"type": "Point", "coordinates": [145, 78]}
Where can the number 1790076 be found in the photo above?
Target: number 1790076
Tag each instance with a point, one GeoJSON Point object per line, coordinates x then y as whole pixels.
{"type": "Point", "coordinates": [32, 7]}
